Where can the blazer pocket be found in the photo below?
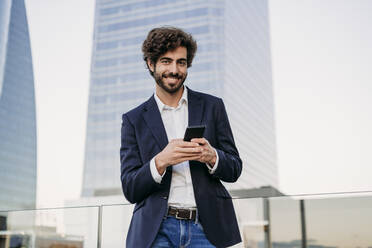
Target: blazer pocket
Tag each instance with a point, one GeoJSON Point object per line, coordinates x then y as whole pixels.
{"type": "Point", "coordinates": [138, 206]}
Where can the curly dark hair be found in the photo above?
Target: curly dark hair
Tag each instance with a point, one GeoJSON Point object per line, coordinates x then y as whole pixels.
{"type": "Point", "coordinates": [161, 40]}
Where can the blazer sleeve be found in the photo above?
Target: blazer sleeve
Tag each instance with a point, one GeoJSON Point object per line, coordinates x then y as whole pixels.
{"type": "Point", "coordinates": [229, 165]}
{"type": "Point", "coordinates": [136, 179]}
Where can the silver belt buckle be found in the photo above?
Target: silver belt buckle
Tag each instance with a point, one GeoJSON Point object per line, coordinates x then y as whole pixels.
{"type": "Point", "coordinates": [182, 218]}
{"type": "Point", "coordinates": [177, 217]}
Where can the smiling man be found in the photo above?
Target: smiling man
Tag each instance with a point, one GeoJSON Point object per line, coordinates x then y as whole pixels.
{"type": "Point", "coordinates": [176, 185]}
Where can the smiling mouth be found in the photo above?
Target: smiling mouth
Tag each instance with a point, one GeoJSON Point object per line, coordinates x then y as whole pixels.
{"type": "Point", "coordinates": [172, 80]}
{"type": "Point", "coordinates": [172, 77]}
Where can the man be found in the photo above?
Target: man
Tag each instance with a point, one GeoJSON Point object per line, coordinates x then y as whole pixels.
{"type": "Point", "coordinates": [176, 185]}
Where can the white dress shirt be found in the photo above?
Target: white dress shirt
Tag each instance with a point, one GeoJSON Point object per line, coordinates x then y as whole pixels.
{"type": "Point", "coordinates": [175, 122]}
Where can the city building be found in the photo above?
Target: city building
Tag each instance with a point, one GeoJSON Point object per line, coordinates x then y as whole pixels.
{"type": "Point", "coordinates": [233, 62]}
{"type": "Point", "coordinates": [17, 110]}
{"type": "Point", "coordinates": [39, 237]}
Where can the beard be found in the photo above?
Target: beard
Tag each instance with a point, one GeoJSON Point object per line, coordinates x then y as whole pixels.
{"type": "Point", "coordinates": [171, 89]}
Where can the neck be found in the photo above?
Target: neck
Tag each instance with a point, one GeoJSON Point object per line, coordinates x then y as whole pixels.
{"type": "Point", "coordinates": [168, 98]}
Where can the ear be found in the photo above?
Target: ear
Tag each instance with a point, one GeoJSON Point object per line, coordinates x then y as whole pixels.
{"type": "Point", "coordinates": [150, 65]}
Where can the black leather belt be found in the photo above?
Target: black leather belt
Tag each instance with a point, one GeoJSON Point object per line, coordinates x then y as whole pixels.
{"type": "Point", "coordinates": [182, 213]}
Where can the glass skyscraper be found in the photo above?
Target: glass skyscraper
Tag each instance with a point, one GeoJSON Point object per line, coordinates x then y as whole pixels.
{"type": "Point", "coordinates": [232, 61]}
{"type": "Point", "coordinates": [17, 109]}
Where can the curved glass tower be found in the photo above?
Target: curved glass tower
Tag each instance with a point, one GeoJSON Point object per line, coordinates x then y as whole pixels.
{"type": "Point", "coordinates": [17, 109]}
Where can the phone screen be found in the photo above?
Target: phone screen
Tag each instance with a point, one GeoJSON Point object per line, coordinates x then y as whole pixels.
{"type": "Point", "coordinates": [194, 132]}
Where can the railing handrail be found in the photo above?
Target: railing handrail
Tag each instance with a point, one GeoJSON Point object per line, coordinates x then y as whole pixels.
{"type": "Point", "coordinates": [294, 196]}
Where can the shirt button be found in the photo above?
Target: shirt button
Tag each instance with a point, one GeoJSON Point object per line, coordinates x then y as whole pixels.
{"type": "Point", "coordinates": [164, 197]}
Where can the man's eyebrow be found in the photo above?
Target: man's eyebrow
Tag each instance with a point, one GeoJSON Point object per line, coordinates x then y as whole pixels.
{"type": "Point", "coordinates": [167, 58]}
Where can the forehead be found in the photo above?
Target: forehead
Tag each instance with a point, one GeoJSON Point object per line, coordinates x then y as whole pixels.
{"type": "Point", "coordinates": [178, 53]}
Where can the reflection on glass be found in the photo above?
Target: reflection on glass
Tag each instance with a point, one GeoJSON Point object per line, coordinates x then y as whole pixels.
{"type": "Point", "coordinates": [339, 222]}
{"type": "Point", "coordinates": [51, 228]}
{"type": "Point", "coordinates": [274, 222]}
{"type": "Point", "coordinates": [285, 222]}
{"type": "Point", "coordinates": [115, 224]}
{"type": "Point", "coordinates": [250, 216]}
{"type": "Point", "coordinates": [342, 222]}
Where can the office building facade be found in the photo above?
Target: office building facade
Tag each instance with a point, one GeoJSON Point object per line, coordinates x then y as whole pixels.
{"type": "Point", "coordinates": [231, 62]}
{"type": "Point", "coordinates": [17, 110]}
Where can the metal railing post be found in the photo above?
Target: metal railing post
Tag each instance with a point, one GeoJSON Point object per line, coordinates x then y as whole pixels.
{"type": "Point", "coordinates": [303, 224]}
{"type": "Point", "coordinates": [99, 234]}
{"type": "Point", "coordinates": [267, 229]}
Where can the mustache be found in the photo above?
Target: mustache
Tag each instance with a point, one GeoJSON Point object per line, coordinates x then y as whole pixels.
{"type": "Point", "coordinates": [172, 75]}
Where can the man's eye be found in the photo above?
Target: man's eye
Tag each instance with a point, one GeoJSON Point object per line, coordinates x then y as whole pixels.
{"type": "Point", "coordinates": [166, 62]}
{"type": "Point", "coordinates": [183, 63]}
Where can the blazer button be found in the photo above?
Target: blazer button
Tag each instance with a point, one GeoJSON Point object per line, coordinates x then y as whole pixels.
{"type": "Point", "coordinates": [165, 197]}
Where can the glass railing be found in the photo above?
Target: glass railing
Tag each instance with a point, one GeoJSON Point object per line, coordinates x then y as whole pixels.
{"type": "Point", "coordinates": [326, 220]}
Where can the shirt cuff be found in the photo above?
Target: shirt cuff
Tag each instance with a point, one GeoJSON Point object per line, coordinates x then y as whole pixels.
{"type": "Point", "coordinates": [154, 172]}
{"type": "Point", "coordinates": [214, 168]}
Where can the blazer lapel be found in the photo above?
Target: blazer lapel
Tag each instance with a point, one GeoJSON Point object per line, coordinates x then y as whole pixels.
{"type": "Point", "coordinates": [155, 123]}
{"type": "Point", "coordinates": [196, 108]}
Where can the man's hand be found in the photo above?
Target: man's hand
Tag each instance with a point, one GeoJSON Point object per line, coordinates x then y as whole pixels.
{"type": "Point", "coordinates": [208, 154]}
{"type": "Point", "coordinates": [177, 151]}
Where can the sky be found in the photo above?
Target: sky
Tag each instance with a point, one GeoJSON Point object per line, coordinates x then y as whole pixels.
{"type": "Point", "coordinates": [322, 54]}
{"type": "Point", "coordinates": [322, 82]}
{"type": "Point", "coordinates": [61, 35]}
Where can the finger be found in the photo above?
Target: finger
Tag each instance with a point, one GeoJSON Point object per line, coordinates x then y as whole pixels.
{"type": "Point", "coordinates": [176, 141]}
{"type": "Point", "coordinates": [186, 158]}
{"type": "Point", "coordinates": [199, 141]}
{"type": "Point", "coordinates": [197, 157]}
{"type": "Point", "coordinates": [187, 144]}
{"type": "Point", "coordinates": [189, 157]}
{"type": "Point", "coordinates": [188, 150]}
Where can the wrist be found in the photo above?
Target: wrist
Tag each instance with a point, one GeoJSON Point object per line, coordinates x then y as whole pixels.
{"type": "Point", "coordinates": [212, 162]}
{"type": "Point", "coordinates": [160, 164]}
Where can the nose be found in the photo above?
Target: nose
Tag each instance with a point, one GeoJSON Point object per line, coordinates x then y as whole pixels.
{"type": "Point", "coordinates": [173, 68]}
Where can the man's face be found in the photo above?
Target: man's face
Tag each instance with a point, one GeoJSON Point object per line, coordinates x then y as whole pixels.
{"type": "Point", "coordinates": [170, 71]}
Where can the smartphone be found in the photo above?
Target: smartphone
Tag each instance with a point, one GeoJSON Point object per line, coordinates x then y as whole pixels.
{"type": "Point", "coordinates": [194, 132]}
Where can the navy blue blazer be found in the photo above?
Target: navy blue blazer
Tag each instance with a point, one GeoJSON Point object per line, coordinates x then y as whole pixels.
{"type": "Point", "coordinates": [143, 136]}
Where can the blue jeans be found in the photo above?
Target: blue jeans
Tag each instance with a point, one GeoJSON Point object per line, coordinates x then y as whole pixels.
{"type": "Point", "coordinates": [181, 233]}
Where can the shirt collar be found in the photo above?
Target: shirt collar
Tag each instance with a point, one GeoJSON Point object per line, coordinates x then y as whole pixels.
{"type": "Point", "coordinates": [162, 106]}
